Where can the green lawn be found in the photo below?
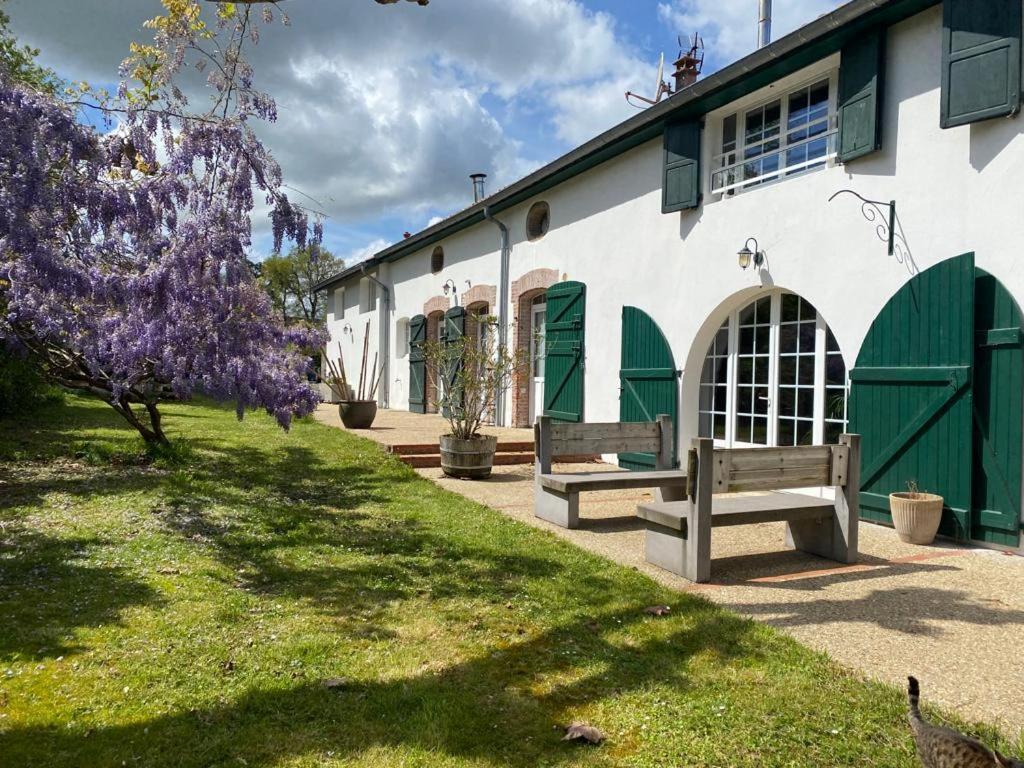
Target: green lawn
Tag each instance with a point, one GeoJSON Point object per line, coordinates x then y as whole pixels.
{"type": "Point", "coordinates": [296, 599]}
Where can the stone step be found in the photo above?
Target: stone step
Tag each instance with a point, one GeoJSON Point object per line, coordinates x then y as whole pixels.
{"type": "Point", "coordinates": [419, 449]}
{"type": "Point", "coordinates": [434, 460]}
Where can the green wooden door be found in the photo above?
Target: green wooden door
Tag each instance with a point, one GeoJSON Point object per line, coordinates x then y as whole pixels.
{"type": "Point", "coordinates": [564, 351]}
{"type": "Point", "coordinates": [647, 380]}
{"type": "Point", "coordinates": [417, 365]}
{"type": "Point", "coordinates": [454, 330]}
{"type": "Point", "coordinates": [998, 386]}
{"type": "Point", "coordinates": [910, 397]}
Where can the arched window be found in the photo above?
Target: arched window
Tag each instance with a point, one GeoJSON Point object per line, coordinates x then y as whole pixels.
{"type": "Point", "coordinates": [437, 260]}
{"type": "Point", "coordinates": [773, 375]}
{"type": "Point", "coordinates": [538, 219]}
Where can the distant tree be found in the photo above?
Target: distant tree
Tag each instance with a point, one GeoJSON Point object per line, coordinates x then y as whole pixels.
{"type": "Point", "coordinates": [289, 281]}
{"type": "Point", "coordinates": [18, 62]}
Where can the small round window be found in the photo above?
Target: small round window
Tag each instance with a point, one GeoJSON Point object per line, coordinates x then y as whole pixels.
{"type": "Point", "coordinates": [437, 260]}
{"type": "Point", "coordinates": [537, 221]}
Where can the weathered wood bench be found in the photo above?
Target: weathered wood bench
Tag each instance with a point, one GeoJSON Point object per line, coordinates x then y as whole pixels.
{"type": "Point", "coordinates": [557, 495]}
{"type": "Point", "coordinates": [678, 533]}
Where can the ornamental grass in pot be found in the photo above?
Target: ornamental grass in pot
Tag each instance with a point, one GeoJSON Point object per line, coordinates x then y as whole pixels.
{"type": "Point", "coordinates": [470, 372]}
{"type": "Point", "coordinates": [915, 514]}
{"type": "Point", "coordinates": [357, 407]}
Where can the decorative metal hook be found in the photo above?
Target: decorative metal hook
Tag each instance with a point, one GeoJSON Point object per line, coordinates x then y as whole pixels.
{"type": "Point", "coordinates": [886, 232]}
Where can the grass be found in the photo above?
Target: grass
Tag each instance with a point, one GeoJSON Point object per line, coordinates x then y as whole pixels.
{"type": "Point", "coordinates": [266, 598]}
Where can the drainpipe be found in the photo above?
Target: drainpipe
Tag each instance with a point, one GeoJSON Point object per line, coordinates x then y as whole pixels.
{"type": "Point", "coordinates": [385, 382]}
{"type": "Point", "coordinates": [502, 305]}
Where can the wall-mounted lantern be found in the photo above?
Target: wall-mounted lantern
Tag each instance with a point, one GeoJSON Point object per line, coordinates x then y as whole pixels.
{"type": "Point", "coordinates": [449, 287]}
{"type": "Point", "coordinates": [746, 256]}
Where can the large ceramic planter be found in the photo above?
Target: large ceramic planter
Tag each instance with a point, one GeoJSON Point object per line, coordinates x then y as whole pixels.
{"type": "Point", "coordinates": [470, 459]}
{"type": "Point", "coordinates": [916, 516]}
{"type": "Point", "coordinates": [357, 414]}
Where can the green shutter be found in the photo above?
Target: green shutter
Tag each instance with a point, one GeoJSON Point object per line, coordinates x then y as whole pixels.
{"type": "Point", "coordinates": [454, 329]}
{"type": "Point", "coordinates": [417, 365]}
{"type": "Point", "coordinates": [681, 182]}
{"type": "Point", "coordinates": [647, 380]}
{"type": "Point", "coordinates": [861, 88]}
{"type": "Point", "coordinates": [564, 351]}
{"type": "Point", "coordinates": [910, 397]}
{"type": "Point", "coordinates": [998, 397]}
{"type": "Point", "coordinates": [981, 60]}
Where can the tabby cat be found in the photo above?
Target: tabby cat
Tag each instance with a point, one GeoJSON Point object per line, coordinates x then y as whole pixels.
{"type": "Point", "coordinates": [940, 747]}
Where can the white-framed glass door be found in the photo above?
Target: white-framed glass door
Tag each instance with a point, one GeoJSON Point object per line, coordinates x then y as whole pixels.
{"type": "Point", "coordinates": [773, 375]}
{"type": "Point", "coordinates": [440, 383]}
{"type": "Point", "coordinates": [538, 322]}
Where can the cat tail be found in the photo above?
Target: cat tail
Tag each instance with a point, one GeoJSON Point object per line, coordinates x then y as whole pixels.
{"type": "Point", "coordinates": [914, 696]}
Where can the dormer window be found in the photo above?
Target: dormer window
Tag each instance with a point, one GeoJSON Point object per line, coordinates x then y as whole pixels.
{"type": "Point", "coordinates": [782, 137]}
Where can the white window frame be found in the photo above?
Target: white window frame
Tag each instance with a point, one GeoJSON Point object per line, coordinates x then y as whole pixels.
{"type": "Point", "coordinates": [402, 336]}
{"type": "Point", "coordinates": [831, 135]}
{"type": "Point", "coordinates": [820, 399]}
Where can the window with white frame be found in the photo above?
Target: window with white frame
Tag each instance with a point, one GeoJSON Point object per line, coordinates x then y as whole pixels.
{"type": "Point", "coordinates": [783, 137]}
{"type": "Point", "coordinates": [773, 375]}
{"type": "Point", "coordinates": [367, 295]}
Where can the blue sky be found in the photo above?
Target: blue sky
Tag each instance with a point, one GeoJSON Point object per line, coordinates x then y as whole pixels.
{"type": "Point", "coordinates": [385, 110]}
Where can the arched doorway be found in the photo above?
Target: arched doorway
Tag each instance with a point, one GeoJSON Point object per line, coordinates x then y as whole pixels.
{"type": "Point", "coordinates": [529, 306]}
{"type": "Point", "coordinates": [937, 396]}
{"type": "Point", "coordinates": [773, 374]}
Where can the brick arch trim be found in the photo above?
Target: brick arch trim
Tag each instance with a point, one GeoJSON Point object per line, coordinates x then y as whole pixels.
{"type": "Point", "coordinates": [531, 281]}
{"type": "Point", "coordinates": [436, 304]}
{"type": "Point", "coordinates": [481, 294]}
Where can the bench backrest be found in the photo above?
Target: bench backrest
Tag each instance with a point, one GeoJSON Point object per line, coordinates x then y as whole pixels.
{"type": "Point", "coordinates": [770, 469]}
{"type": "Point", "coordinates": [566, 439]}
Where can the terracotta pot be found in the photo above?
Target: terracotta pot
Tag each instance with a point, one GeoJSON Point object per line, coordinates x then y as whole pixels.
{"type": "Point", "coordinates": [916, 516]}
{"type": "Point", "coordinates": [357, 414]}
{"type": "Point", "coordinates": [470, 459]}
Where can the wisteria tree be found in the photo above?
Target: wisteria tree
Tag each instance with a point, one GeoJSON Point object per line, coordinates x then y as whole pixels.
{"type": "Point", "coordinates": [123, 252]}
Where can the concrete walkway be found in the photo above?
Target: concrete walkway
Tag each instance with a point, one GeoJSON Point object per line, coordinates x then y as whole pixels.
{"type": "Point", "coordinates": [952, 616]}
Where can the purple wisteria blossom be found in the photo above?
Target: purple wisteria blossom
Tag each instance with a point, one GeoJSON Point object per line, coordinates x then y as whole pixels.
{"type": "Point", "coordinates": [123, 254]}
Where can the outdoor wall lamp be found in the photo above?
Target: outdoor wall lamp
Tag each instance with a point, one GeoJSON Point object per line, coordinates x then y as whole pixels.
{"type": "Point", "coordinates": [449, 287]}
{"type": "Point", "coordinates": [745, 255]}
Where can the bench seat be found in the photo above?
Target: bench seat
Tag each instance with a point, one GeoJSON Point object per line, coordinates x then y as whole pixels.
{"type": "Point", "coordinates": [598, 481]}
{"type": "Point", "coordinates": [773, 507]}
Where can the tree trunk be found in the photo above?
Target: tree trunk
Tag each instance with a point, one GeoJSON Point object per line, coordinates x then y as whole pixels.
{"type": "Point", "coordinates": [153, 434]}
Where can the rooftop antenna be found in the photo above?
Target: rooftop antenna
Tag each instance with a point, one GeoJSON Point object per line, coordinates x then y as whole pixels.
{"type": "Point", "coordinates": [661, 88]}
{"type": "Point", "coordinates": [687, 69]}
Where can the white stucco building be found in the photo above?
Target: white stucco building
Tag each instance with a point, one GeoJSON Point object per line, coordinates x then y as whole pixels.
{"type": "Point", "coordinates": [919, 350]}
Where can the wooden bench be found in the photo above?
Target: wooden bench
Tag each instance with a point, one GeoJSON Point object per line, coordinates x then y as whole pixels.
{"type": "Point", "coordinates": [678, 533]}
{"type": "Point", "coordinates": [557, 495]}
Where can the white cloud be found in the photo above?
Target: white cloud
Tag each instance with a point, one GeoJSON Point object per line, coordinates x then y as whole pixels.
{"type": "Point", "coordinates": [729, 27]}
{"type": "Point", "coordinates": [385, 110]}
{"type": "Point", "coordinates": [362, 254]}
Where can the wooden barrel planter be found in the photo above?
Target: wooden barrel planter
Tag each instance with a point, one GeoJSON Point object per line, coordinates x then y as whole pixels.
{"type": "Point", "coordinates": [357, 414]}
{"type": "Point", "coordinates": [470, 459]}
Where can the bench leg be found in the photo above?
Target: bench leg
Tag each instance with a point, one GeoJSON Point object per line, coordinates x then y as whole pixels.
{"type": "Point", "coordinates": [559, 508]}
{"type": "Point", "coordinates": [670, 493]}
{"type": "Point", "coordinates": [825, 537]}
{"type": "Point", "coordinates": [668, 549]}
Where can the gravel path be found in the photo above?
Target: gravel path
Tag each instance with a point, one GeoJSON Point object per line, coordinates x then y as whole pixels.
{"type": "Point", "coordinates": [952, 616]}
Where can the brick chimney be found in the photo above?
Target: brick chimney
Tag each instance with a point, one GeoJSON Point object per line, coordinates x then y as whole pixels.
{"type": "Point", "coordinates": [687, 69]}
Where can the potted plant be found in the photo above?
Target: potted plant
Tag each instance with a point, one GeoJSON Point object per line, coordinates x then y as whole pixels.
{"type": "Point", "coordinates": [357, 407]}
{"type": "Point", "coordinates": [915, 514]}
{"type": "Point", "coordinates": [472, 372]}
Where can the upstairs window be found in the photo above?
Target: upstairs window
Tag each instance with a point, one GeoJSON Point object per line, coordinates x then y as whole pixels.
{"type": "Point", "coordinates": [783, 137]}
{"type": "Point", "coordinates": [538, 219]}
{"type": "Point", "coordinates": [437, 260]}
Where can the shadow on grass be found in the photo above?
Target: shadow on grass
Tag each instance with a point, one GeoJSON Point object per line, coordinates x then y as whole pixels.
{"type": "Point", "coordinates": [49, 591]}
{"type": "Point", "coordinates": [482, 709]}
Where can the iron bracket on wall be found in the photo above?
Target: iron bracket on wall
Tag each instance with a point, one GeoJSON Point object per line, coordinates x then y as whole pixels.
{"type": "Point", "coordinates": [887, 227]}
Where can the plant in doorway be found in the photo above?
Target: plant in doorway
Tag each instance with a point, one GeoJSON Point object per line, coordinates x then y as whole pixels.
{"type": "Point", "coordinates": [915, 514]}
{"type": "Point", "coordinates": [471, 372]}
